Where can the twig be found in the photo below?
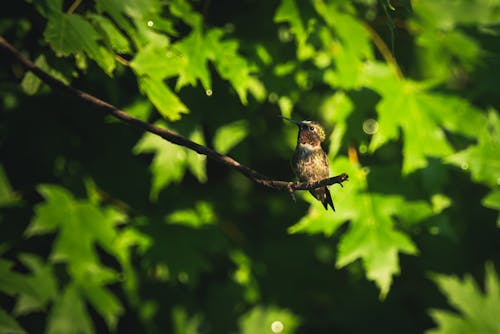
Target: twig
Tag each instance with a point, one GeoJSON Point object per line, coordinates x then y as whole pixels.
{"type": "Point", "coordinates": [164, 133]}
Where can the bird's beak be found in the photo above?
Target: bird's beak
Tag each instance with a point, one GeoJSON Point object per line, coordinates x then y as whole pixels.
{"type": "Point", "coordinates": [291, 120]}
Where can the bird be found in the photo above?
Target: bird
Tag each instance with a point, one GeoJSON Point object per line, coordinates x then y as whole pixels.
{"type": "Point", "coordinates": [309, 161]}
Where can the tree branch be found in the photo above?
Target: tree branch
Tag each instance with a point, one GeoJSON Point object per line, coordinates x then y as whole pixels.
{"type": "Point", "coordinates": [164, 133]}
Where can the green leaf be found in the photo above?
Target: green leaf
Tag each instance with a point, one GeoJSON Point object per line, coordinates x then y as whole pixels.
{"type": "Point", "coordinates": [13, 283]}
{"type": "Point", "coordinates": [268, 320]}
{"type": "Point", "coordinates": [168, 163]}
{"type": "Point", "coordinates": [156, 62]}
{"type": "Point", "coordinates": [372, 236]}
{"type": "Point", "coordinates": [289, 12]}
{"type": "Point", "coordinates": [492, 200]}
{"type": "Point", "coordinates": [106, 303]}
{"type": "Point", "coordinates": [183, 324]}
{"type": "Point", "coordinates": [478, 311]}
{"type": "Point", "coordinates": [70, 34]}
{"type": "Point", "coordinates": [9, 324]}
{"type": "Point", "coordinates": [230, 135]}
{"type": "Point", "coordinates": [483, 159]}
{"type": "Point", "coordinates": [117, 41]}
{"type": "Point", "coordinates": [202, 214]}
{"type": "Point", "coordinates": [423, 136]}
{"type": "Point", "coordinates": [168, 104]}
{"type": "Point", "coordinates": [42, 282]}
{"type": "Point", "coordinates": [81, 225]}
{"type": "Point", "coordinates": [193, 63]}
{"type": "Point", "coordinates": [170, 160]}
{"type": "Point", "coordinates": [232, 66]}
{"type": "Point", "coordinates": [7, 195]}
{"type": "Point", "coordinates": [69, 315]}
{"type": "Point", "coordinates": [31, 83]}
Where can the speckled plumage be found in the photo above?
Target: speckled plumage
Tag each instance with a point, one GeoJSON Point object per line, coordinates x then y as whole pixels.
{"type": "Point", "coordinates": [310, 162]}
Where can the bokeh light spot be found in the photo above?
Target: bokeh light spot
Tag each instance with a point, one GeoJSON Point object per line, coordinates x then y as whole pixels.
{"type": "Point", "coordinates": [277, 326]}
{"type": "Point", "coordinates": [370, 126]}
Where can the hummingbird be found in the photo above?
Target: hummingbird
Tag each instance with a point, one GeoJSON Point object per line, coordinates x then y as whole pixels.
{"type": "Point", "coordinates": [309, 162]}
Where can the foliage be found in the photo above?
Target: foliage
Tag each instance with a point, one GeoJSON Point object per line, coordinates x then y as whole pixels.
{"type": "Point", "coordinates": [108, 229]}
{"type": "Point", "coordinates": [479, 310]}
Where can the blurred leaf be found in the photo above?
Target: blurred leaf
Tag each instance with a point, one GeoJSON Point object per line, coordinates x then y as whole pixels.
{"type": "Point", "coordinates": [289, 12]}
{"type": "Point", "coordinates": [478, 310]}
{"type": "Point", "coordinates": [31, 83]}
{"type": "Point", "coordinates": [156, 62]}
{"type": "Point", "coordinates": [13, 283]}
{"type": "Point", "coordinates": [7, 196]}
{"type": "Point", "coordinates": [492, 200]}
{"type": "Point", "coordinates": [69, 315]}
{"type": "Point", "coordinates": [9, 324]}
{"type": "Point", "coordinates": [81, 225]}
{"type": "Point", "coordinates": [244, 276]}
{"type": "Point", "coordinates": [202, 214]}
{"type": "Point", "coordinates": [193, 62]}
{"type": "Point", "coordinates": [168, 104]}
{"type": "Point", "coordinates": [483, 159]}
{"type": "Point", "coordinates": [268, 320]}
{"type": "Point", "coordinates": [230, 135]}
{"type": "Point", "coordinates": [42, 282]}
{"type": "Point", "coordinates": [170, 161]}
{"type": "Point", "coordinates": [106, 303]}
{"type": "Point", "coordinates": [183, 324]}
{"type": "Point", "coordinates": [233, 67]}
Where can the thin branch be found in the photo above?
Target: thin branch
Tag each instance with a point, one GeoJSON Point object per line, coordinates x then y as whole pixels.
{"type": "Point", "coordinates": [164, 133]}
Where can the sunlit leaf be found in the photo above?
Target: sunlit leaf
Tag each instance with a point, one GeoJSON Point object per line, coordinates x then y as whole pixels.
{"type": "Point", "coordinates": [478, 310]}
{"type": "Point", "coordinates": [168, 104]}
{"type": "Point", "coordinates": [81, 226]}
{"type": "Point", "coordinates": [423, 137]}
{"type": "Point", "coordinates": [70, 34]}
{"type": "Point", "coordinates": [230, 135]}
{"type": "Point", "coordinates": [483, 159]}
{"type": "Point", "coordinates": [156, 62]}
{"type": "Point", "coordinates": [193, 62]}
{"type": "Point", "coordinates": [170, 161]}
{"type": "Point", "coordinates": [114, 37]}
{"type": "Point", "coordinates": [372, 236]}
{"type": "Point", "coordinates": [202, 214]}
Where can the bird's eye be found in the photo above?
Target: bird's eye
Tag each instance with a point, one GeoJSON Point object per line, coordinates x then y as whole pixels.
{"type": "Point", "coordinates": [311, 128]}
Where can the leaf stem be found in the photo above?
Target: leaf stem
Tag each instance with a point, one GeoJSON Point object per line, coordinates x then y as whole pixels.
{"type": "Point", "coordinates": [74, 6]}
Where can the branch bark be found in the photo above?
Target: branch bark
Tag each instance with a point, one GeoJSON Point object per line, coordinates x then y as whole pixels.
{"type": "Point", "coordinates": [164, 133]}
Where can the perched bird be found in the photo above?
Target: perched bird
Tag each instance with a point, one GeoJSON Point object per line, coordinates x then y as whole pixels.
{"type": "Point", "coordinates": [309, 161]}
